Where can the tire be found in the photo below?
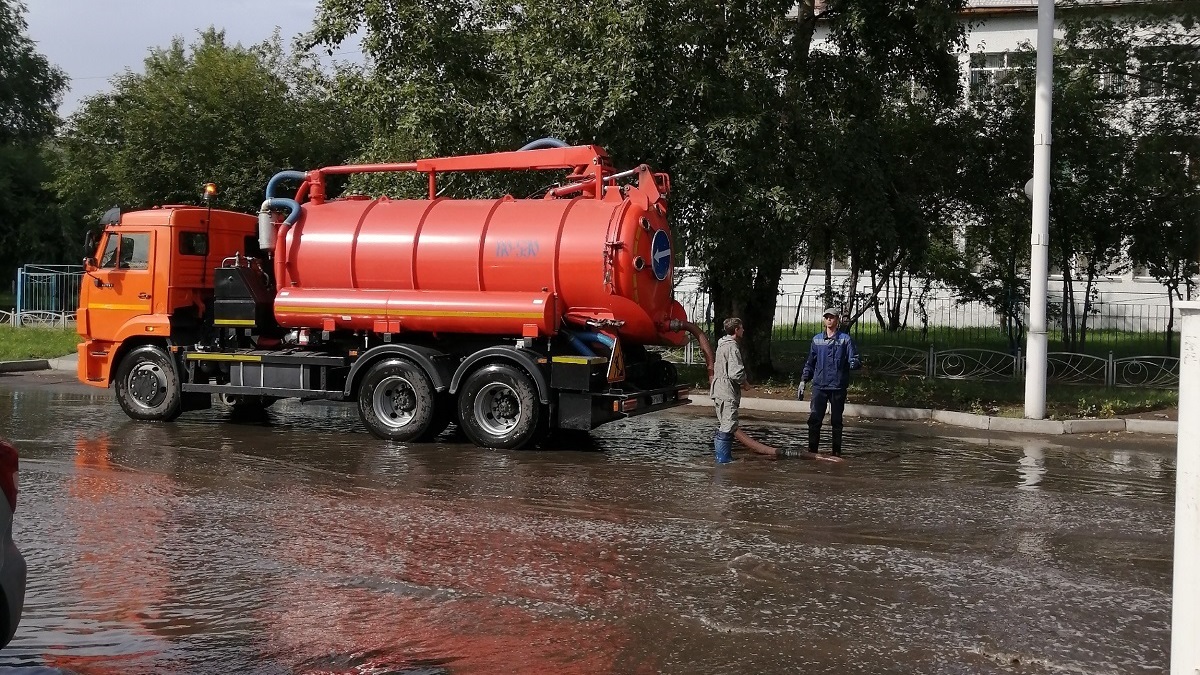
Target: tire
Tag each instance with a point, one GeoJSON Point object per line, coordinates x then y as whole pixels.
{"type": "Point", "coordinates": [396, 402]}
{"type": "Point", "coordinates": [662, 374]}
{"type": "Point", "coordinates": [498, 407]}
{"type": "Point", "coordinates": [148, 386]}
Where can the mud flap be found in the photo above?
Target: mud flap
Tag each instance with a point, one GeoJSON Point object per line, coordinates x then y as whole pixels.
{"type": "Point", "coordinates": [196, 400]}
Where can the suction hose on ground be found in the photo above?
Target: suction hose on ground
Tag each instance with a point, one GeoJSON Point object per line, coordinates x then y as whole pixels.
{"type": "Point", "coordinates": [741, 436]}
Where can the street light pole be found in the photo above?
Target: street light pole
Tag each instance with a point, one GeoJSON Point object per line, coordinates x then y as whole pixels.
{"type": "Point", "coordinates": [1036, 348]}
{"type": "Point", "coordinates": [1185, 584]}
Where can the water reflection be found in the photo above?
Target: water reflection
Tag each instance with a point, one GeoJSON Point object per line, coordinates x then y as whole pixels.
{"type": "Point", "coordinates": [1032, 466]}
{"type": "Point", "coordinates": [299, 543]}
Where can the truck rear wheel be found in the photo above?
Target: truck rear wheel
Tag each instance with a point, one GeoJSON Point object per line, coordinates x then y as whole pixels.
{"type": "Point", "coordinates": [147, 385]}
{"type": "Point", "coordinates": [397, 402]}
{"type": "Point", "coordinates": [498, 407]}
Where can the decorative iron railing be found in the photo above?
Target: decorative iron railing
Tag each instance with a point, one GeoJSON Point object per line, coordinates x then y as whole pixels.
{"type": "Point", "coordinates": [1154, 372]}
{"type": "Point", "coordinates": [1160, 372]}
{"type": "Point", "coordinates": [972, 364]}
{"type": "Point", "coordinates": [40, 318]}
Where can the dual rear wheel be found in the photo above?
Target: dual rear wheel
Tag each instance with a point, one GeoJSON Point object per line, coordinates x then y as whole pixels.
{"type": "Point", "coordinates": [497, 405]}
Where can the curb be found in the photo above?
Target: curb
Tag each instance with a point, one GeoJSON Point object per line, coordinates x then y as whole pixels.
{"type": "Point", "coordinates": [24, 366]}
{"type": "Point", "coordinates": [1152, 426]}
{"type": "Point", "coordinates": [961, 419]}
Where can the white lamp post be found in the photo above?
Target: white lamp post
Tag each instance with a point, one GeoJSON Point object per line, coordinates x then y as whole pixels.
{"type": "Point", "coordinates": [1185, 586]}
{"type": "Point", "coordinates": [1035, 350]}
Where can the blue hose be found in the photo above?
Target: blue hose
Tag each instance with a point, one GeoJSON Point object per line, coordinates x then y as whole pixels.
{"type": "Point", "coordinates": [579, 344]}
{"type": "Point", "coordinates": [599, 337]}
{"type": "Point", "coordinates": [547, 142]}
{"type": "Point", "coordinates": [282, 175]}
{"type": "Point", "coordinates": [291, 204]}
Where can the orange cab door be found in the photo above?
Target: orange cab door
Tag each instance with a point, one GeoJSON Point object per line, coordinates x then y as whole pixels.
{"type": "Point", "coordinates": [123, 285]}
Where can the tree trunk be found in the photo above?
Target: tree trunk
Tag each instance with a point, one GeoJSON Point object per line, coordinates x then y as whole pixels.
{"type": "Point", "coordinates": [1172, 291]}
{"type": "Point", "coordinates": [827, 300]}
{"type": "Point", "coordinates": [1068, 307]}
{"type": "Point", "coordinates": [754, 303]}
{"type": "Point", "coordinates": [800, 302]}
{"type": "Point", "coordinates": [1088, 288]}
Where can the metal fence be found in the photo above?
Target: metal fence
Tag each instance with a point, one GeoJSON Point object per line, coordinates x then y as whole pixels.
{"type": "Point", "coordinates": [1126, 328]}
{"type": "Point", "coordinates": [46, 295]}
{"type": "Point", "coordinates": [1158, 372]}
{"type": "Point", "coordinates": [1127, 343]}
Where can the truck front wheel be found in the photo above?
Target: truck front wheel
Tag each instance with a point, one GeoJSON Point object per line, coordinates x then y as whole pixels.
{"type": "Point", "coordinates": [397, 402]}
{"type": "Point", "coordinates": [498, 407]}
{"type": "Point", "coordinates": [147, 385]}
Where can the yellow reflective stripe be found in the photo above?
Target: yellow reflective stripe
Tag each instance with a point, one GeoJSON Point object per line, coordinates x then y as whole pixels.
{"type": "Point", "coordinates": [196, 356]}
{"type": "Point", "coordinates": [234, 322]}
{"type": "Point", "coordinates": [399, 313]}
{"type": "Point", "coordinates": [107, 306]}
{"type": "Point", "coordinates": [586, 360]}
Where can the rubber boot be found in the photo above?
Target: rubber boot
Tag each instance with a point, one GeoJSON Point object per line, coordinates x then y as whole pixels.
{"type": "Point", "coordinates": [837, 442]}
{"type": "Point", "coordinates": [723, 447]}
{"type": "Point", "coordinates": [814, 438]}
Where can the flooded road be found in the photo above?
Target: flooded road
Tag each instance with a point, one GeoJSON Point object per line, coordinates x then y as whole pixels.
{"type": "Point", "coordinates": [302, 544]}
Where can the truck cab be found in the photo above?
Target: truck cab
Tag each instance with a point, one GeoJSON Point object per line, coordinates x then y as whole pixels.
{"type": "Point", "coordinates": [149, 276]}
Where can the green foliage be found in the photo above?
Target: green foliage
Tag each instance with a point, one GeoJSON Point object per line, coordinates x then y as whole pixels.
{"type": "Point", "coordinates": [206, 112]}
{"type": "Point", "coordinates": [767, 141]}
{"type": "Point", "coordinates": [30, 89]}
{"type": "Point", "coordinates": [32, 342]}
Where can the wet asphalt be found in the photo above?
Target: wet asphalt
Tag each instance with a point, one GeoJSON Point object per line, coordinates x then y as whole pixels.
{"type": "Point", "coordinates": [298, 543]}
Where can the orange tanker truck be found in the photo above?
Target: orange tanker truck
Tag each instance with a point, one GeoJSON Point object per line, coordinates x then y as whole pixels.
{"type": "Point", "coordinates": [508, 316]}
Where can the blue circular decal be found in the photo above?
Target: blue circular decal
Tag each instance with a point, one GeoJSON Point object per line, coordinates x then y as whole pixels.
{"type": "Point", "coordinates": [660, 254]}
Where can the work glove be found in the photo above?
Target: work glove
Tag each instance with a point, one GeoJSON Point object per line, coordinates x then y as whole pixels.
{"type": "Point", "coordinates": [800, 391]}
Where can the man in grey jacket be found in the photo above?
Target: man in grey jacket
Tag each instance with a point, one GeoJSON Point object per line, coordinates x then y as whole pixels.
{"type": "Point", "coordinates": [729, 379]}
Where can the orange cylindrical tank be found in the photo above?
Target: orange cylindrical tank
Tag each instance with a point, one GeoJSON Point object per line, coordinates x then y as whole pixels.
{"type": "Point", "coordinates": [353, 262]}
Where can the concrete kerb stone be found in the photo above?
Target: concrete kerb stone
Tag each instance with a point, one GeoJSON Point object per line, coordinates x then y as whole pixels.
{"type": "Point", "coordinates": [962, 419]}
{"type": "Point", "coordinates": [24, 366]}
{"type": "Point", "coordinates": [887, 412]}
{"type": "Point", "coordinates": [67, 363]}
{"type": "Point", "coordinates": [1152, 426]}
{"type": "Point", "coordinates": [1092, 426]}
{"type": "Point", "coordinates": [1024, 426]}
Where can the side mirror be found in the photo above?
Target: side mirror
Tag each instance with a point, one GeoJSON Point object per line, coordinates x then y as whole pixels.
{"type": "Point", "coordinates": [89, 264]}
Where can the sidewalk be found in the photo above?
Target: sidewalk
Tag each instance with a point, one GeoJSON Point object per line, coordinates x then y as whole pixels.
{"type": "Point", "coordinates": [957, 419]}
{"type": "Point", "coordinates": [961, 419]}
{"type": "Point", "coordinates": [64, 363]}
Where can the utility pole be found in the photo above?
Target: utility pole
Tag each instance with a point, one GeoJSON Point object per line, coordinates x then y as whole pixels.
{"type": "Point", "coordinates": [1185, 586]}
{"type": "Point", "coordinates": [1036, 347]}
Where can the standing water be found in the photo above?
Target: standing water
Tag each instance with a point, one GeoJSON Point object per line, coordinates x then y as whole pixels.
{"type": "Point", "coordinates": [299, 543]}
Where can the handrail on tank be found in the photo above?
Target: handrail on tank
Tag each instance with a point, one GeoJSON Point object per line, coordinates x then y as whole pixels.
{"type": "Point", "coordinates": [571, 157]}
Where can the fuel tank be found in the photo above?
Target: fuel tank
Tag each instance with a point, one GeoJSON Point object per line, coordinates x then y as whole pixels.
{"type": "Point", "coordinates": [503, 266]}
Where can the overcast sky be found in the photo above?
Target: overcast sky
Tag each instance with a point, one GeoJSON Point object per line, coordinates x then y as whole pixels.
{"type": "Point", "coordinates": [93, 40]}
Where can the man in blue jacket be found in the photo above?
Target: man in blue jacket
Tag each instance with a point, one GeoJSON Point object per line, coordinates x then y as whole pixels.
{"type": "Point", "coordinates": [831, 357]}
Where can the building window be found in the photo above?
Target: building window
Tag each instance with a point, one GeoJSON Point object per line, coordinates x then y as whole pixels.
{"type": "Point", "coordinates": [992, 70]}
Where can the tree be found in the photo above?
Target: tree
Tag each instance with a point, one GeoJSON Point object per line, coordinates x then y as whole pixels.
{"type": "Point", "coordinates": [729, 97]}
{"type": "Point", "coordinates": [1148, 58]}
{"type": "Point", "coordinates": [30, 90]}
{"type": "Point", "coordinates": [209, 112]}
